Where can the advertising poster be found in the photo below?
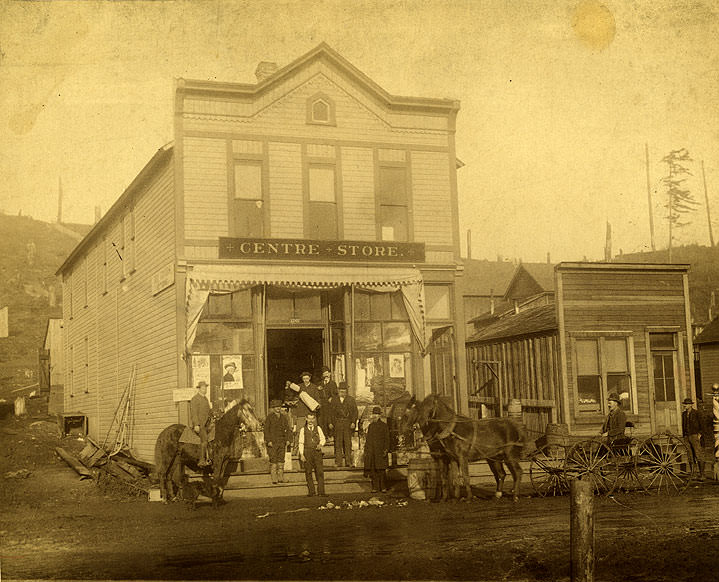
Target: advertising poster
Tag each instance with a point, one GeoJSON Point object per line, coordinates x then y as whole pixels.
{"type": "Point", "coordinates": [396, 365]}
{"type": "Point", "coordinates": [200, 369]}
{"type": "Point", "coordinates": [232, 372]}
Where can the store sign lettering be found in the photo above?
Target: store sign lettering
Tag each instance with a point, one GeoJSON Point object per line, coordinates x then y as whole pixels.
{"type": "Point", "coordinates": [301, 249]}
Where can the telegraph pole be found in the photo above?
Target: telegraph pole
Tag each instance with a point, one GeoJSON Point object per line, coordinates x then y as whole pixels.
{"type": "Point", "coordinates": [649, 197]}
{"type": "Point", "coordinates": [706, 199]}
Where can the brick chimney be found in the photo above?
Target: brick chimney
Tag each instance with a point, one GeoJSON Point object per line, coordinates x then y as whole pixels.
{"type": "Point", "coordinates": [265, 69]}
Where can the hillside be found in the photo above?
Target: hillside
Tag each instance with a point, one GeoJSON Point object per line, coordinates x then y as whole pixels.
{"type": "Point", "coordinates": [30, 253]}
{"type": "Point", "coordinates": [703, 275]}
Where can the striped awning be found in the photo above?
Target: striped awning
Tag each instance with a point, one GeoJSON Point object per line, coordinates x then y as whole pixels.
{"type": "Point", "coordinates": [219, 277]}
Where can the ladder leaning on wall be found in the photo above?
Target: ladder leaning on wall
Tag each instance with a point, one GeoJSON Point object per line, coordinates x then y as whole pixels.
{"type": "Point", "coordinates": [121, 420]}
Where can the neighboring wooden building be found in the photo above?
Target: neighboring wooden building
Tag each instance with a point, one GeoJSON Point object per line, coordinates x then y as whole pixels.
{"type": "Point", "coordinates": [707, 344]}
{"type": "Point", "coordinates": [52, 367]}
{"type": "Point", "coordinates": [307, 219]}
{"type": "Point", "coordinates": [621, 328]}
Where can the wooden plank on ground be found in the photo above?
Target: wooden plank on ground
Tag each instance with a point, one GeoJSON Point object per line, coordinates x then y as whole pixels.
{"type": "Point", "coordinates": [76, 465]}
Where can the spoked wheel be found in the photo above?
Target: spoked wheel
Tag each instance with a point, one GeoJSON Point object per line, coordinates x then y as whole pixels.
{"type": "Point", "coordinates": [663, 465]}
{"type": "Point", "coordinates": [627, 475]}
{"type": "Point", "coordinates": [546, 471]}
{"type": "Point", "coordinates": [592, 461]}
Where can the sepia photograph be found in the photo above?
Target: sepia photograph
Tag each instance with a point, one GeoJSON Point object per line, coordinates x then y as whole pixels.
{"type": "Point", "coordinates": [359, 290]}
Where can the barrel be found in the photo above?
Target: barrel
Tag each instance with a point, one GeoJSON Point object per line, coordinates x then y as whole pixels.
{"type": "Point", "coordinates": [422, 478]}
{"type": "Point", "coordinates": [556, 434]}
{"type": "Point", "coordinates": [514, 409]}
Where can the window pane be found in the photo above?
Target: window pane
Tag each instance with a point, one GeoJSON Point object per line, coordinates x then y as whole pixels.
{"type": "Point", "coordinates": [337, 337]}
{"type": "Point", "coordinates": [661, 341]}
{"type": "Point", "coordinates": [587, 360]}
{"type": "Point", "coordinates": [368, 336]}
{"type": "Point", "coordinates": [219, 305]}
{"type": "Point", "coordinates": [396, 336]}
{"type": "Point", "coordinates": [616, 354]}
{"type": "Point", "coordinates": [243, 340]}
{"type": "Point", "coordinates": [361, 307]}
{"type": "Point", "coordinates": [399, 311]}
{"type": "Point", "coordinates": [589, 392]}
{"type": "Point", "coordinates": [393, 223]}
{"type": "Point", "coordinates": [437, 301]}
{"type": "Point", "coordinates": [619, 383]}
{"type": "Point", "coordinates": [248, 180]}
{"type": "Point", "coordinates": [323, 221]}
{"type": "Point", "coordinates": [320, 111]}
{"type": "Point", "coordinates": [223, 338]}
{"type": "Point", "coordinates": [247, 218]}
{"type": "Point", "coordinates": [322, 184]}
{"type": "Point", "coordinates": [279, 305]}
{"type": "Point", "coordinates": [242, 304]}
{"type": "Point", "coordinates": [380, 306]}
{"type": "Point", "coordinates": [308, 306]}
{"type": "Point", "coordinates": [336, 301]}
{"type": "Point", "coordinates": [393, 186]}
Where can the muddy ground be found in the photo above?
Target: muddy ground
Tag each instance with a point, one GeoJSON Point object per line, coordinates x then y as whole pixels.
{"type": "Point", "coordinates": [55, 526]}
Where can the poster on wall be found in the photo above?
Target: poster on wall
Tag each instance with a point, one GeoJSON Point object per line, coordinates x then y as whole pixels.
{"type": "Point", "coordinates": [396, 365]}
{"type": "Point", "coordinates": [232, 372]}
{"type": "Point", "coordinates": [200, 369]}
{"type": "Point", "coordinates": [338, 370]}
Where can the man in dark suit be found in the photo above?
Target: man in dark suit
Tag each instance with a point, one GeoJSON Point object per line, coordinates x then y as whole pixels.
{"type": "Point", "coordinates": [692, 432]}
{"type": "Point", "coordinates": [199, 419]}
{"type": "Point", "coordinates": [376, 447]}
{"type": "Point", "coordinates": [343, 418]}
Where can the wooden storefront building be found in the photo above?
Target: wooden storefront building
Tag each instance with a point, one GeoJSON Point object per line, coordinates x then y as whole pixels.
{"type": "Point", "coordinates": [622, 328]}
{"type": "Point", "coordinates": [307, 219]}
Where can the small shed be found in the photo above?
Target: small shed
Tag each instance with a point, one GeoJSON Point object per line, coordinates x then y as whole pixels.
{"type": "Point", "coordinates": [707, 344]}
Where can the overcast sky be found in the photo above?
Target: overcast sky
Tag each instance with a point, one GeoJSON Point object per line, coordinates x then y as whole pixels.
{"type": "Point", "coordinates": [558, 99]}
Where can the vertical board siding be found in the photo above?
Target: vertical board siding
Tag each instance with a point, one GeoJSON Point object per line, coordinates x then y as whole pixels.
{"type": "Point", "coordinates": [709, 365]}
{"type": "Point", "coordinates": [358, 193]}
{"type": "Point", "coordinates": [205, 184]}
{"type": "Point", "coordinates": [431, 198]}
{"type": "Point", "coordinates": [286, 199]}
{"type": "Point", "coordinates": [128, 326]}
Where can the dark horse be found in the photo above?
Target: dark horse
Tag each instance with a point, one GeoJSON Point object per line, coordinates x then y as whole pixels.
{"type": "Point", "coordinates": [461, 440]}
{"type": "Point", "coordinates": [172, 456]}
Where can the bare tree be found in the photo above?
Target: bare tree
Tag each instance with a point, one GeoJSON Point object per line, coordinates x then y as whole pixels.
{"type": "Point", "coordinates": [680, 201]}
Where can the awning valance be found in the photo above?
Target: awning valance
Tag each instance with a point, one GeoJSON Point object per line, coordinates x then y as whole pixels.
{"type": "Point", "coordinates": [222, 277]}
{"type": "Point", "coordinates": [203, 280]}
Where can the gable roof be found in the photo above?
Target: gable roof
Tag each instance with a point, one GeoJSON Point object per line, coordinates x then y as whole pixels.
{"type": "Point", "coordinates": [541, 273]}
{"type": "Point", "coordinates": [321, 52]}
{"type": "Point", "coordinates": [532, 321]}
{"type": "Point", "coordinates": [709, 334]}
{"type": "Point", "coordinates": [485, 278]}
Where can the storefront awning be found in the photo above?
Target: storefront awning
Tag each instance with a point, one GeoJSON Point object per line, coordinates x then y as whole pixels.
{"type": "Point", "coordinates": [222, 277]}
{"type": "Point", "coordinates": [205, 279]}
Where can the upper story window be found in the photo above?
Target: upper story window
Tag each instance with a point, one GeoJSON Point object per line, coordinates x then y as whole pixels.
{"type": "Point", "coordinates": [247, 212]}
{"type": "Point", "coordinates": [320, 110]}
{"type": "Point", "coordinates": [393, 203]}
{"type": "Point", "coordinates": [127, 243]}
{"type": "Point", "coordinates": [322, 206]}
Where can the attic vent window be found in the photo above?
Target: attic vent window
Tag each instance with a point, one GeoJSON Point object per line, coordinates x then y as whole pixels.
{"type": "Point", "coordinates": [320, 110]}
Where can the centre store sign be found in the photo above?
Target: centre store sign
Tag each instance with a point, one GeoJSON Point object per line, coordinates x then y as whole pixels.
{"type": "Point", "coordinates": [303, 249]}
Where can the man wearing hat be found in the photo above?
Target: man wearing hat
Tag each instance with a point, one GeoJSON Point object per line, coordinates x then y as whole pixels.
{"type": "Point", "coordinates": [199, 417]}
{"type": "Point", "coordinates": [692, 432]}
{"type": "Point", "coordinates": [230, 369]}
{"type": "Point", "coordinates": [326, 389]}
{"type": "Point", "coordinates": [277, 434]}
{"type": "Point", "coordinates": [613, 427]}
{"type": "Point", "coordinates": [302, 410]}
{"type": "Point", "coordinates": [376, 448]}
{"type": "Point", "coordinates": [343, 418]}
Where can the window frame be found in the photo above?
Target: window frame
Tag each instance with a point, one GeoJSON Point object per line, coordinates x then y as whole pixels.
{"type": "Point", "coordinates": [314, 162]}
{"type": "Point", "coordinates": [631, 406]}
{"type": "Point", "coordinates": [674, 352]}
{"type": "Point", "coordinates": [381, 203]}
{"type": "Point", "coordinates": [235, 159]}
{"type": "Point", "coordinates": [331, 110]}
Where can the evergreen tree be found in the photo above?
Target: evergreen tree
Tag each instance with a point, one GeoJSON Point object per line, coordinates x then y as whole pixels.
{"type": "Point", "coordinates": [680, 201]}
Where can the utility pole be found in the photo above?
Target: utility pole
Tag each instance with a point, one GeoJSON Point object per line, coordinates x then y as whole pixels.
{"type": "Point", "coordinates": [59, 200]}
{"type": "Point", "coordinates": [706, 199]}
{"type": "Point", "coordinates": [649, 197]}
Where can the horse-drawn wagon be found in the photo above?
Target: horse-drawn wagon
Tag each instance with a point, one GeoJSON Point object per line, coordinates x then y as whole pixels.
{"type": "Point", "coordinates": [657, 464]}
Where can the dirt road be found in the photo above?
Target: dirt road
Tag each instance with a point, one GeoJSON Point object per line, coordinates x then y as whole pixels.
{"type": "Point", "coordinates": [55, 526]}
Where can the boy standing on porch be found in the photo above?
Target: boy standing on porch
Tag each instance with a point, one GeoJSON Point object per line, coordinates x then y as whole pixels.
{"type": "Point", "coordinates": [277, 434]}
{"type": "Point", "coordinates": [312, 439]}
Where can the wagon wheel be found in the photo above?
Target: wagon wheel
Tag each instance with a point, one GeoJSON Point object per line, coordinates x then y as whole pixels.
{"type": "Point", "coordinates": [627, 475]}
{"type": "Point", "coordinates": [546, 471]}
{"type": "Point", "coordinates": [663, 464]}
{"type": "Point", "coordinates": [592, 461]}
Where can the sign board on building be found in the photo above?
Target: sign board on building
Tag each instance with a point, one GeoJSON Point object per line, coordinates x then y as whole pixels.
{"type": "Point", "coordinates": [163, 278]}
{"type": "Point", "coordinates": [4, 332]}
{"type": "Point", "coordinates": [322, 250]}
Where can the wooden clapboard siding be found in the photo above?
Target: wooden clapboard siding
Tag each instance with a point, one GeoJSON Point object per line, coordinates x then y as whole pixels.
{"type": "Point", "coordinates": [205, 187]}
{"type": "Point", "coordinates": [358, 193]}
{"type": "Point", "coordinates": [286, 220]}
{"type": "Point", "coordinates": [709, 365]}
{"type": "Point", "coordinates": [431, 198]}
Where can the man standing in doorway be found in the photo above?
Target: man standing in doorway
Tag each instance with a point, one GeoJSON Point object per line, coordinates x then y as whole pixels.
{"type": "Point", "coordinates": [343, 418]}
{"type": "Point", "coordinates": [199, 418]}
{"type": "Point", "coordinates": [326, 389]}
{"type": "Point", "coordinates": [277, 433]}
{"type": "Point", "coordinates": [312, 439]}
{"type": "Point", "coordinates": [692, 432]}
